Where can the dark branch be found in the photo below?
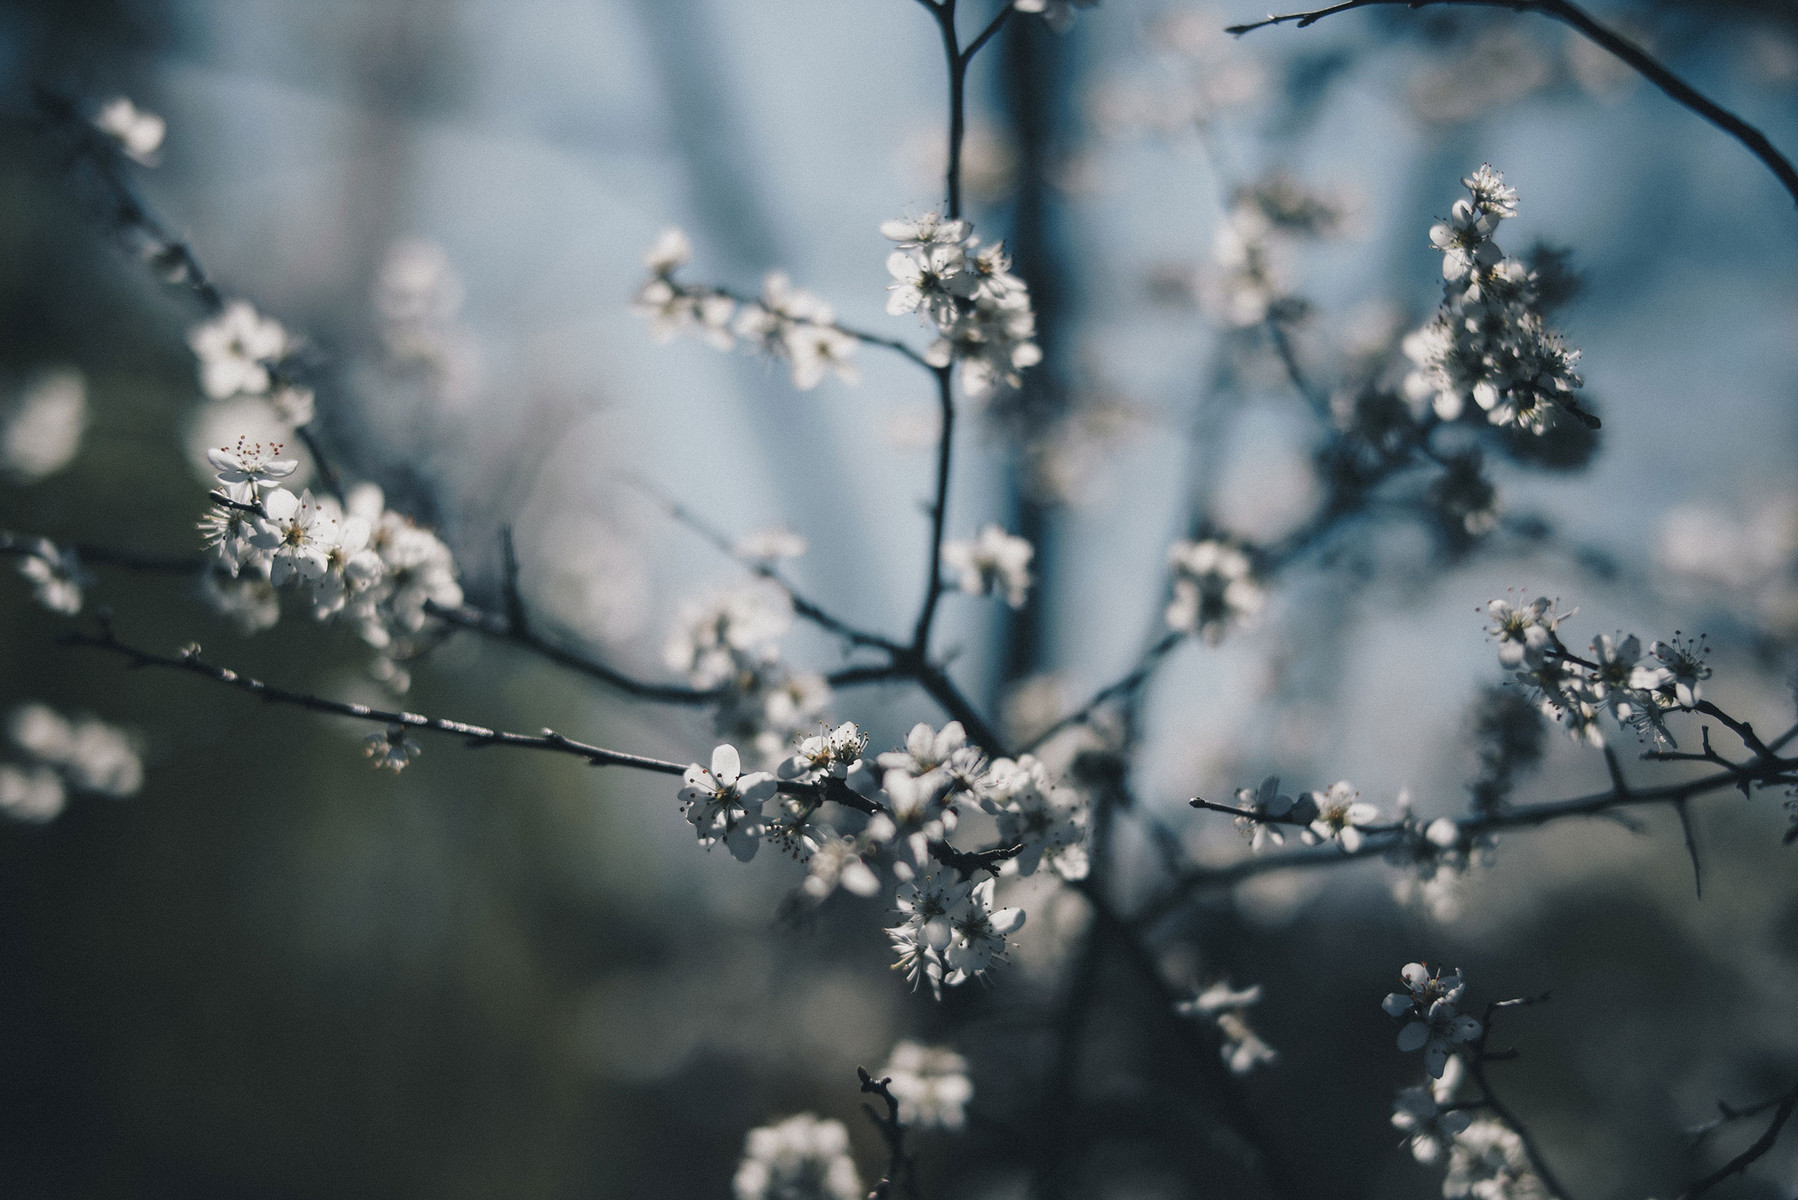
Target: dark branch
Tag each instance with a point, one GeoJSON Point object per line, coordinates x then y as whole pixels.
{"type": "Point", "coordinates": [189, 661]}
{"type": "Point", "coordinates": [1640, 60]}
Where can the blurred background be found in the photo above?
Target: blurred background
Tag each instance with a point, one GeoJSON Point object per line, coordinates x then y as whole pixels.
{"type": "Point", "coordinates": [277, 973]}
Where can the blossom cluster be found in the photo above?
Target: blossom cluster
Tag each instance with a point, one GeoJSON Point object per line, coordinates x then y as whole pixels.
{"type": "Point", "coordinates": [1486, 1159]}
{"type": "Point", "coordinates": [728, 643]}
{"type": "Point", "coordinates": [1215, 587]}
{"type": "Point", "coordinates": [59, 755]}
{"type": "Point", "coordinates": [1336, 814]}
{"type": "Point", "coordinates": [981, 312]}
{"type": "Point", "coordinates": [900, 810]}
{"type": "Point", "coordinates": [1430, 1006]}
{"type": "Point", "coordinates": [1489, 343]}
{"type": "Point", "coordinates": [804, 1157]}
{"type": "Point", "coordinates": [786, 323]}
{"type": "Point", "coordinates": [1637, 689]}
{"type": "Point", "coordinates": [930, 1084]}
{"type": "Point", "coordinates": [356, 560]}
{"type": "Point", "coordinates": [992, 562]}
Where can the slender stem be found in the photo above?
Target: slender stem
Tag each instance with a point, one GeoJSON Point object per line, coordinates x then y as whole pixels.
{"type": "Point", "coordinates": [1768, 770]}
{"type": "Point", "coordinates": [495, 625]}
{"type": "Point", "coordinates": [1735, 1166]}
{"type": "Point", "coordinates": [473, 735]}
{"type": "Point", "coordinates": [939, 515]}
{"type": "Point", "coordinates": [1640, 60]}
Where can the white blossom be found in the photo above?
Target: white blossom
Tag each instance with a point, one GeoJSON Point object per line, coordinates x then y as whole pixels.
{"type": "Point", "coordinates": [930, 1084]}
{"type": "Point", "coordinates": [769, 545]}
{"type": "Point", "coordinates": [250, 466]}
{"type": "Point", "coordinates": [800, 1158]}
{"type": "Point", "coordinates": [1264, 810]}
{"type": "Point", "coordinates": [235, 350]}
{"type": "Point", "coordinates": [1489, 342]}
{"type": "Point", "coordinates": [977, 933]}
{"type": "Point", "coordinates": [1340, 816]}
{"type": "Point", "coordinates": [297, 533]}
{"type": "Point", "coordinates": [1420, 1114]}
{"type": "Point", "coordinates": [41, 432]}
{"type": "Point", "coordinates": [1214, 587]}
{"type": "Point", "coordinates": [992, 561]}
{"type": "Point", "coordinates": [725, 805]}
{"type": "Point", "coordinates": [1049, 823]}
{"type": "Point", "coordinates": [1488, 1161]}
{"type": "Point", "coordinates": [1434, 1022]}
{"type": "Point", "coordinates": [85, 754]}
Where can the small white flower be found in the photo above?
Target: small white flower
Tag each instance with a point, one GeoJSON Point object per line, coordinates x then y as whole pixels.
{"type": "Point", "coordinates": [1436, 1025]}
{"type": "Point", "coordinates": [1340, 816]}
{"type": "Point", "coordinates": [992, 561]}
{"type": "Point", "coordinates": [1214, 587]}
{"type": "Point", "coordinates": [838, 863]}
{"type": "Point", "coordinates": [930, 229]}
{"type": "Point", "coordinates": [249, 466]}
{"type": "Point", "coordinates": [800, 1158]}
{"type": "Point", "coordinates": [725, 805]}
{"type": "Point", "coordinates": [297, 534]}
{"type": "Point", "coordinates": [1265, 809]}
{"type": "Point", "coordinates": [977, 933]}
{"type": "Point", "coordinates": [930, 1084]}
{"type": "Point", "coordinates": [235, 349]}
{"type": "Point", "coordinates": [1488, 1161]}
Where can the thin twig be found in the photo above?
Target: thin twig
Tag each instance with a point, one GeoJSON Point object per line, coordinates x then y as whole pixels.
{"type": "Point", "coordinates": [939, 515]}
{"type": "Point", "coordinates": [1629, 52]}
{"type": "Point", "coordinates": [891, 1131]}
{"type": "Point", "coordinates": [189, 661]}
{"type": "Point", "coordinates": [1741, 1162]}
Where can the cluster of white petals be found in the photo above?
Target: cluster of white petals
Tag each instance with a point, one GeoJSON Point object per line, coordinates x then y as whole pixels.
{"type": "Point", "coordinates": [728, 642]}
{"type": "Point", "coordinates": [1336, 814]}
{"type": "Point", "coordinates": [1215, 587]}
{"type": "Point", "coordinates": [786, 323]}
{"type": "Point", "coordinates": [356, 560]}
{"type": "Point", "coordinates": [1488, 1161]}
{"type": "Point", "coordinates": [1489, 344]}
{"type": "Point", "coordinates": [951, 930]}
{"type": "Point", "coordinates": [1249, 282]}
{"type": "Point", "coordinates": [59, 755]}
{"type": "Point", "coordinates": [725, 804]}
{"type": "Point", "coordinates": [1046, 823]}
{"type": "Point", "coordinates": [1637, 689]}
{"type": "Point", "coordinates": [1430, 1006]}
{"type": "Point", "coordinates": [1223, 1006]}
{"type": "Point", "coordinates": [801, 1158]}
{"type": "Point", "coordinates": [1423, 1114]}
{"type": "Point", "coordinates": [981, 312]}
{"type": "Point", "coordinates": [930, 1084]}
{"type": "Point", "coordinates": [237, 350]}
{"type": "Point", "coordinates": [991, 562]}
